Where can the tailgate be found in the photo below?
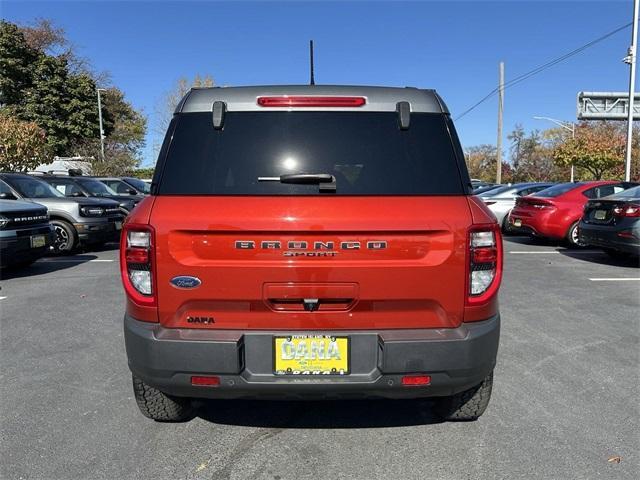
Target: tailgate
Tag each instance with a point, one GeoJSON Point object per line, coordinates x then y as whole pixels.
{"type": "Point", "coordinates": [311, 262]}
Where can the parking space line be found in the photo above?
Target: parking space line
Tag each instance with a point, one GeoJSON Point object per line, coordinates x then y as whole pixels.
{"type": "Point", "coordinates": [623, 279]}
{"type": "Point", "coordinates": [2, 298]}
{"type": "Point", "coordinates": [548, 252]}
{"type": "Point", "coordinates": [73, 260]}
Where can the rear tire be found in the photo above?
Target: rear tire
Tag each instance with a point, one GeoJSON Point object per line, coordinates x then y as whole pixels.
{"type": "Point", "coordinates": [64, 237]}
{"type": "Point", "coordinates": [159, 406]}
{"type": "Point", "coordinates": [572, 236]}
{"type": "Point", "coordinates": [468, 405]}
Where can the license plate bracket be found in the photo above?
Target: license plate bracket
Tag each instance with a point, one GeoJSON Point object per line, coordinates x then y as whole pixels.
{"type": "Point", "coordinates": [38, 241]}
{"type": "Point", "coordinates": [311, 355]}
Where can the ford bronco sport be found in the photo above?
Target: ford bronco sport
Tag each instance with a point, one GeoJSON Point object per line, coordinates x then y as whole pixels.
{"type": "Point", "coordinates": [311, 242]}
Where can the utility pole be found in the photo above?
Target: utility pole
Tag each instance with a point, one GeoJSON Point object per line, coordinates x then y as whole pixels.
{"type": "Point", "coordinates": [500, 110]}
{"type": "Point", "coordinates": [100, 119]}
{"type": "Point", "coordinates": [631, 60]}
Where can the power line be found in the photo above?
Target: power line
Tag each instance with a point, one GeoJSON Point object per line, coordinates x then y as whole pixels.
{"type": "Point", "coordinates": [543, 67]}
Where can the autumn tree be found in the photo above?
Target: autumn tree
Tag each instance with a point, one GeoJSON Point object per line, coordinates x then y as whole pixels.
{"type": "Point", "coordinates": [598, 148]}
{"type": "Point", "coordinates": [23, 145]}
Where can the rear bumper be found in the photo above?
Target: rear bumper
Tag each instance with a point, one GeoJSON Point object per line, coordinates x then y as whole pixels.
{"type": "Point", "coordinates": [15, 246]}
{"type": "Point", "coordinates": [99, 232]}
{"type": "Point", "coordinates": [605, 236]}
{"type": "Point", "coordinates": [456, 359]}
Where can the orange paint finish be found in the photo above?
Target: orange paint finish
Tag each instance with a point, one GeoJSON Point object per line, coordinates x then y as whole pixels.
{"type": "Point", "coordinates": [372, 262]}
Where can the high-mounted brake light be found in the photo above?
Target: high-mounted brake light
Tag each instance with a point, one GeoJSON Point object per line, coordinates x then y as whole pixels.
{"type": "Point", "coordinates": [485, 263]}
{"type": "Point", "coordinates": [313, 101]}
{"type": "Point", "coordinates": [137, 263]}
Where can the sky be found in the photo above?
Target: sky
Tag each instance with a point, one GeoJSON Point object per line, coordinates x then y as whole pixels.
{"type": "Point", "coordinates": [454, 47]}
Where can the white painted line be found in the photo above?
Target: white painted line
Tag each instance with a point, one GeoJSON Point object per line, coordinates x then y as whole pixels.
{"type": "Point", "coordinates": [550, 252]}
{"type": "Point", "coordinates": [2, 298]}
{"type": "Point", "coordinates": [627, 279]}
{"type": "Point", "coordinates": [73, 260]}
{"type": "Point", "coordinates": [100, 260]}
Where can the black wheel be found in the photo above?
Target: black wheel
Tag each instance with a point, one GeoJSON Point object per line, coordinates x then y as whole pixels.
{"type": "Point", "coordinates": [468, 405]}
{"type": "Point", "coordinates": [64, 240]}
{"type": "Point", "coordinates": [573, 238]}
{"type": "Point", "coordinates": [159, 406]}
{"type": "Point", "coordinates": [506, 228]}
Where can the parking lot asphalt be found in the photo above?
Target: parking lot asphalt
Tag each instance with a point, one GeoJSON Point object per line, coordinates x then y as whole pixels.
{"type": "Point", "coordinates": [565, 403]}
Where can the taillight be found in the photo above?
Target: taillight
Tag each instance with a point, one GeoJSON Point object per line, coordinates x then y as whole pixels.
{"type": "Point", "coordinates": [631, 210]}
{"type": "Point", "coordinates": [485, 263]}
{"type": "Point", "coordinates": [137, 263]}
{"type": "Point", "coordinates": [312, 101]}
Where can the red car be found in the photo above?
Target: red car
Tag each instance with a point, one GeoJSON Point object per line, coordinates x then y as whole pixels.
{"type": "Point", "coordinates": [556, 211]}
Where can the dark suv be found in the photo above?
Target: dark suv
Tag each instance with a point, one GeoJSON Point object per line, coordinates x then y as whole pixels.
{"type": "Point", "coordinates": [25, 232]}
{"type": "Point", "coordinates": [126, 185]}
{"type": "Point", "coordinates": [311, 242]}
{"type": "Point", "coordinates": [76, 221]}
{"type": "Point", "coordinates": [77, 186]}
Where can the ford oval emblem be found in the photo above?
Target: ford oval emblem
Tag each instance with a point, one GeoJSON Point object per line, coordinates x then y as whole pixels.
{"type": "Point", "coordinates": [185, 281]}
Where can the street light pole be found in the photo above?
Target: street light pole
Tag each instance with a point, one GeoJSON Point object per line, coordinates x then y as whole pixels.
{"type": "Point", "coordinates": [631, 60]}
{"type": "Point", "coordinates": [100, 119]}
{"type": "Point", "coordinates": [567, 126]}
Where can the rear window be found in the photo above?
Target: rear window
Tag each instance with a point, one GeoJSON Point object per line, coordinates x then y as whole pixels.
{"type": "Point", "coordinates": [557, 190]}
{"type": "Point", "coordinates": [366, 152]}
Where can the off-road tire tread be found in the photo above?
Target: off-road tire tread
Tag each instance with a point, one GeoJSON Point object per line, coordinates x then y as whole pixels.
{"type": "Point", "coordinates": [159, 406]}
{"type": "Point", "coordinates": [470, 404]}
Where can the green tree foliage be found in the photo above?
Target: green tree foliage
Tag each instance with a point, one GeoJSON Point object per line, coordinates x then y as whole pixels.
{"type": "Point", "coordinates": [44, 82]}
{"type": "Point", "coordinates": [125, 142]}
{"type": "Point", "coordinates": [23, 145]}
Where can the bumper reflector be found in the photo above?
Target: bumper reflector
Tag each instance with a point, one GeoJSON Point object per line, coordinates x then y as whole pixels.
{"type": "Point", "coordinates": [208, 381]}
{"type": "Point", "coordinates": [416, 380]}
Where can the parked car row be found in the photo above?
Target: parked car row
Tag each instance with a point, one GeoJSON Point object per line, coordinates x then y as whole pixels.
{"type": "Point", "coordinates": [563, 210]}
{"type": "Point", "coordinates": [41, 214]}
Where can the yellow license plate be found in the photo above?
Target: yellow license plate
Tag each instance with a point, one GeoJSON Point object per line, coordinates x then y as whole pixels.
{"type": "Point", "coordinates": [311, 355]}
{"type": "Point", "coordinates": [38, 241]}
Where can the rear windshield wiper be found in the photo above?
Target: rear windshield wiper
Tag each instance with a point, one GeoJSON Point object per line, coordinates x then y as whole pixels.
{"type": "Point", "coordinates": [326, 182]}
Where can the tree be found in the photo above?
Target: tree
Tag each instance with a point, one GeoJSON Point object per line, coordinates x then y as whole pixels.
{"type": "Point", "coordinates": [598, 148]}
{"type": "Point", "coordinates": [44, 82]}
{"type": "Point", "coordinates": [168, 102]}
{"type": "Point", "coordinates": [23, 145]}
{"type": "Point", "coordinates": [481, 162]}
{"type": "Point", "coordinates": [124, 144]}
{"type": "Point", "coordinates": [16, 61]}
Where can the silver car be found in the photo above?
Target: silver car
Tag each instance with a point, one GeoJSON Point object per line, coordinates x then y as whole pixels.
{"type": "Point", "coordinates": [501, 200]}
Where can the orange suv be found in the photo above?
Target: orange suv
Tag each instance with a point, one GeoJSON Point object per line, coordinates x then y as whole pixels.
{"type": "Point", "coordinates": [311, 242]}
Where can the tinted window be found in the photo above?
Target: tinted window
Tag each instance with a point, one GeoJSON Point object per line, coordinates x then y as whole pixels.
{"type": "Point", "coordinates": [31, 188]}
{"type": "Point", "coordinates": [4, 188]}
{"type": "Point", "coordinates": [66, 187]}
{"type": "Point", "coordinates": [117, 186]}
{"type": "Point", "coordinates": [139, 184]}
{"type": "Point", "coordinates": [630, 193]}
{"type": "Point", "coordinates": [557, 190]}
{"type": "Point", "coordinates": [602, 191]}
{"type": "Point", "coordinates": [365, 151]}
{"type": "Point", "coordinates": [96, 188]}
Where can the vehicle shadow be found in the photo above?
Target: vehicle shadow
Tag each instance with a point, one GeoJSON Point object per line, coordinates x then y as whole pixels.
{"type": "Point", "coordinates": [44, 265]}
{"type": "Point", "coordinates": [336, 414]}
{"type": "Point", "coordinates": [601, 257]}
{"type": "Point", "coordinates": [107, 247]}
